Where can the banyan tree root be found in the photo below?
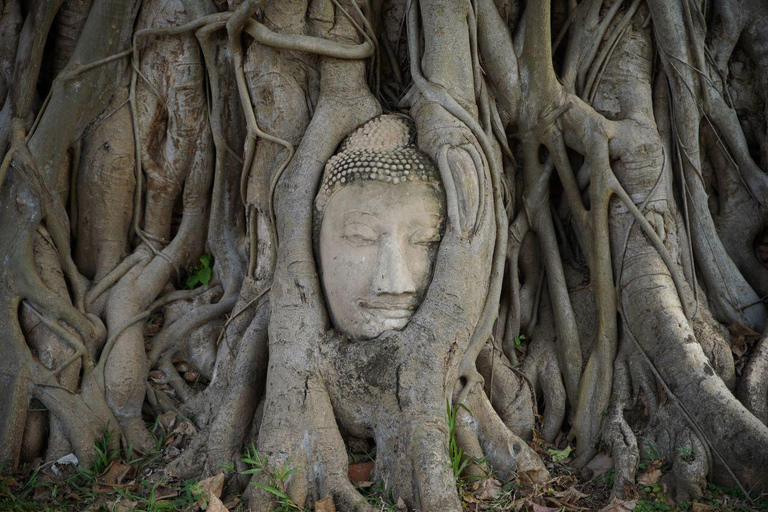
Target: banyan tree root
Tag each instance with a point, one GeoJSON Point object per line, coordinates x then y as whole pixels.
{"type": "Point", "coordinates": [618, 269]}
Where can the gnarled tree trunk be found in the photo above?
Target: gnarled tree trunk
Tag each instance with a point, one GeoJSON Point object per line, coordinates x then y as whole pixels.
{"type": "Point", "coordinates": [604, 165]}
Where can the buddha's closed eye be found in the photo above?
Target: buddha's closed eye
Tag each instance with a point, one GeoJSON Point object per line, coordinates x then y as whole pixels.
{"type": "Point", "coordinates": [425, 236]}
{"type": "Point", "coordinates": [359, 234]}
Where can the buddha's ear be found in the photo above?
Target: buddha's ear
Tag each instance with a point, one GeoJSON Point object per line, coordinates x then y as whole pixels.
{"type": "Point", "coordinates": [462, 172]}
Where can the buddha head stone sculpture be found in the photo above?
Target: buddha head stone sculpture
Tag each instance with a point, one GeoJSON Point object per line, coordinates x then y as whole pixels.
{"type": "Point", "coordinates": [379, 219]}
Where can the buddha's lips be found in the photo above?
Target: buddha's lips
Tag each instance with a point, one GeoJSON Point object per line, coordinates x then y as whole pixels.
{"type": "Point", "coordinates": [390, 309]}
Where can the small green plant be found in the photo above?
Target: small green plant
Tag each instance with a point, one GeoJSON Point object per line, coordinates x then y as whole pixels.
{"type": "Point", "coordinates": [650, 452]}
{"type": "Point", "coordinates": [105, 454]}
{"type": "Point", "coordinates": [458, 460]}
{"type": "Point", "coordinates": [276, 477]}
{"type": "Point", "coordinates": [519, 341]}
{"type": "Point", "coordinates": [201, 273]}
{"type": "Point", "coordinates": [687, 454]}
{"type": "Point", "coordinates": [379, 496]}
{"type": "Point", "coordinates": [655, 501]}
{"type": "Point", "coordinates": [227, 466]}
{"type": "Point", "coordinates": [159, 435]}
{"type": "Point", "coordinates": [560, 455]}
{"type": "Point", "coordinates": [607, 478]}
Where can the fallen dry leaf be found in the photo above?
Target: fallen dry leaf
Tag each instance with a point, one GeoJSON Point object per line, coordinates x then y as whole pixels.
{"type": "Point", "coordinates": [739, 346]}
{"type": "Point", "coordinates": [701, 507]}
{"type": "Point", "coordinates": [211, 487]}
{"type": "Point", "coordinates": [215, 505]}
{"type": "Point", "coordinates": [158, 376]}
{"type": "Point", "coordinates": [41, 494]}
{"type": "Point", "coordinates": [233, 502]}
{"type": "Point", "coordinates": [401, 506]}
{"type": "Point", "coordinates": [124, 505]}
{"type": "Point", "coordinates": [360, 472]}
{"type": "Point", "coordinates": [185, 428]}
{"type": "Point", "coordinates": [570, 495]}
{"type": "Point", "coordinates": [325, 505]}
{"type": "Point", "coordinates": [487, 489]}
{"type": "Point", "coordinates": [167, 420]}
{"type": "Point", "coordinates": [163, 492]}
{"type": "Point", "coordinates": [619, 505]}
{"type": "Point", "coordinates": [541, 508]}
{"type": "Point", "coordinates": [738, 329]}
{"type": "Point", "coordinates": [649, 477]}
{"type": "Point", "coordinates": [116, 474]}
{"type": "Point", "coordinates": [630, 491]}
{"type": "Point", "coordinates": [191, 376]}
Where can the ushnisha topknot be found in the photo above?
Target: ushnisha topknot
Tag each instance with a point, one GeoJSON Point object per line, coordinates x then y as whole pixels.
{"type": "Point", "coordinates": [382, 149]}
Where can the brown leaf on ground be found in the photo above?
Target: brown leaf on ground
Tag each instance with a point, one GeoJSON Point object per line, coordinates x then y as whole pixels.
{"type": "Point", "coordinates": [738, 329]}
{"type": "Point", "coordinates": [360, 472]}
{"type": "Point", "coordinates": [650, 476]}
{"type": "Point", "coordinates": [185, 428]}
{"type": "Point", "coordinates": [541, 508]}
{"type": "Point", "coordinates": [42, 493]}
{"type": "Point", "coordinates": [741, 337]}
{"type": "Point", "coordinates": [158, 376]}
{"type": "Point", "coordinates": [163, 492]}
{"type": "Point", "coordinates": [401, 506]}
{"type": "Point", "coordinates": [167, 420]}
{"type": "Point", "coordinates": [701, 507]}
{"type": "Point", "coordinates": [739, 347]}
{"type": "Point", "coordinates": [233, 502]}
{"type": "Point", "coordinates": [123, 505]}
{"type": "Point", "coordinates": [570, 495]}
{"type": "Point", "coordinates": [630, 491]}
{"type": "Point", "coordinates": [117, 473]}
{"type": "Point", "coordinates": [487, 489]}
{"type": "Point", "coordinates": [211, 487]}
{"type": "Point", "coordinates": [619, 505]}
{"type": "Point", "coordinates": [191, 376]}
{"type": "Point", "coordinates": [215, 505]}
{"type": "Point", "coordinates": [532, 477]}
{"type": "Point", "coordinates": [325, 505]}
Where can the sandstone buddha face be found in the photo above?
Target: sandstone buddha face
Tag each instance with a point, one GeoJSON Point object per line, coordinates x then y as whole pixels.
{"type": "Point", "coordinates": [378, 238]}
{"type": "Point", "coordinates": [378, 242]}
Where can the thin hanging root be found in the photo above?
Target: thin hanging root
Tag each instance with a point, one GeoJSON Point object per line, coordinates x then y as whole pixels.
{"type": "Point", "coordinates": [674, 272]}
{"type": "Point", "coordinates": [167, 299]}
{"type": "Point", "coordinates": [182, 328]}
{"type": "Point", "coordinates": [73, 341]}
{"type": "Point", "coordinates": [114, 276]}
{"type": "Point", "coordinates": [187, 27]}
{"type": "Point", "coordinates": [183, 390]}
{"type": "Point", "coordinates": [238, 313]}
{"type": "Point", "coordinates": [35, 291]}
{"type": "Point", "coordinates": [236, 23]}
{"type": "Point", "coordinates": [556, 145]}
{"type": "Point", "coordinates": [234, 29]}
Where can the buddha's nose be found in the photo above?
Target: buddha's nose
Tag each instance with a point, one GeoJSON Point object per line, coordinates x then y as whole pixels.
{"type": "Point", "coordinates": [392, 275]}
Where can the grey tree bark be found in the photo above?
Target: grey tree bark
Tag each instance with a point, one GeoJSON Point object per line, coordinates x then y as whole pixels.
{"type": "Point", "coordinates": [606, 188]}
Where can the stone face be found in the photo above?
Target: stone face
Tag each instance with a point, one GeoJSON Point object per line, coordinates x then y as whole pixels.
{"type": "Point", "coordinates": [377, 245]}
{"type": "Point", "coordinates": [379, 229]}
